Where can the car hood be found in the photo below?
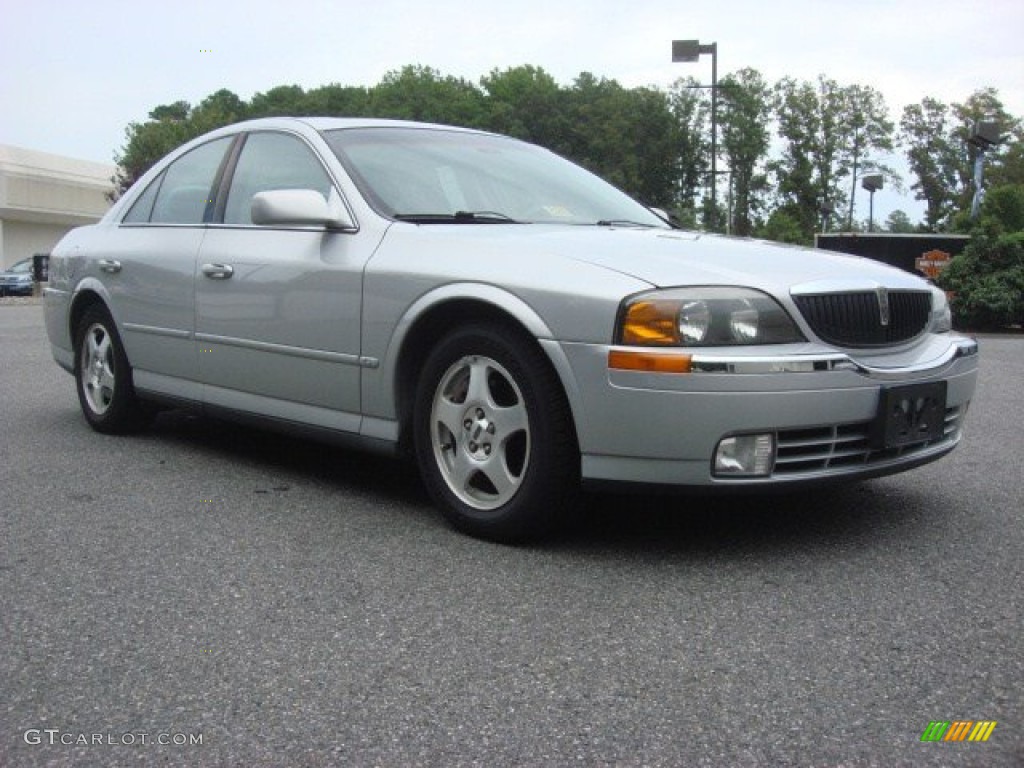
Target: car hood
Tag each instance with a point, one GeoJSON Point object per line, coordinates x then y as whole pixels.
{"type": "Point", "coordinates": [665, 258]}
{"type": "Point", "coordinates": [669, 258]}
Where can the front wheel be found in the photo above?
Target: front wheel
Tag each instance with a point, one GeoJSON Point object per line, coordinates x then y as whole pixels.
{"type": "Point", "coordinates": [494, 436]}
{"type": "Point", "coordinates": [104, 378]}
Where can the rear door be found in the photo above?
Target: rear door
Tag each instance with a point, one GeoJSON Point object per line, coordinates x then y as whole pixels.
{"type": "Point", "coordinates": [149, 270]}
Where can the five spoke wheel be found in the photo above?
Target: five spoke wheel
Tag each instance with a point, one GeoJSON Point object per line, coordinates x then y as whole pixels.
{"type": "Point", "coordinates": [481, 432]}
{"type": "Point", "coordinates": [493, 434]}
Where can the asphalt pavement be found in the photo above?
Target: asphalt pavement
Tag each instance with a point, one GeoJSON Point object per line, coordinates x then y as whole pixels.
{"type": "Point", "coordinates": [206, 594]}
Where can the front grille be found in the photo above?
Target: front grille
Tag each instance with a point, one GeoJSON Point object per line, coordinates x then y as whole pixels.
{"type": "Point", "coordinates": [847, 445]}
{"type": "Point", "coordinates": [855, 319]}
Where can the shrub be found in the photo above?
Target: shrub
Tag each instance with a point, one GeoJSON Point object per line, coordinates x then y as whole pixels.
{"type": "Point", "coordinates": [987, 281]}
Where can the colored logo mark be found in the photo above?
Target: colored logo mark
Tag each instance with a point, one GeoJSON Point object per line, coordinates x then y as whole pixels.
{"type": "Point", "coordinates": [958, 730]}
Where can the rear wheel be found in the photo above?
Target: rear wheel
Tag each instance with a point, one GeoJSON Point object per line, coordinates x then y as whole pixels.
{"type": "Point", "coordinates": [104, 378]}
{"type": "Point", "coordinates": [494, 436]}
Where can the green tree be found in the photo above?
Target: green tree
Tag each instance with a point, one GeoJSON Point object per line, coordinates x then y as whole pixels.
{"type": "Point", "coordinates": [336, 100]}
{"type": "Point", "coordinates": [936, 139]}
{"type": "Point", "coordinates": [831, 133]}
{"type": "Point", "coordinates": [279, 101]}
{"type": "Point", "coordinates": [422, 93]}
{"type": "Point", "coordinates": [217, 109]}
{"type": "Point", "coordinates": [627, 136]}
{"type": "Point", "coordinates": [987, 280]}
{"type": "Point", "coordinates": [1004, 205]}
{"type": "Point", "coordinates": [806, 115]}
{"type": "Point", "coordinates": [925, 132]}
{"type": "Point", "coordinates": [527, 103]}
{"type": "Point", "coordinates": [983, 104]}
{"type": "Point", "coordinates": [177, 111]}
{"type": "Point", "coordinates": [866, 125]}
{"type": "Point", "coordinates": [168, 127]}
{"type": "Point", "coordinates": [744, 113]}
{"type": "Point", "coordinates": [783, 226]}
{"type": "Point", "coordinates": [898, 223]}
{"type": "Point", "coordinates": [691, 111]}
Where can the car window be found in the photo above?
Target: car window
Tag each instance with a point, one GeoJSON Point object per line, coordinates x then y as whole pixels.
{"type": "Point", "coordinates": [185, 192]}
{"type": "Point", "coordinates": [272, 161]}
{"type": "Point", "coordinates": [142, 208]}
{"type": "Point", "coordinates": [411, 172]}
{"type": "Point", "coordinates": [22, 267]}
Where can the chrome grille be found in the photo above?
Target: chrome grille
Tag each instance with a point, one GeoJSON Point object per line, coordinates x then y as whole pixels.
{"type": "Point", "coordinates": [855, 319]}
{"type": "Point", "coordinates": [846, 445]}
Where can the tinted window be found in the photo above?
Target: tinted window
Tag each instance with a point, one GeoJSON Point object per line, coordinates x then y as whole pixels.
{"type": "Point", "coordinates": [272, 161]}
{"type": "Point", "coordinates": [143, 207]}
{"type": "Point", "coordinates": [185, 191]}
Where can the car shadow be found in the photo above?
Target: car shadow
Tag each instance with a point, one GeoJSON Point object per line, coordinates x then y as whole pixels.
{"type": "Point", "coordinates": [677, 523]}
{"type": "Point", "coordinates": [826, 517]}
{"type": "Point", "coordinates": [394, 479]}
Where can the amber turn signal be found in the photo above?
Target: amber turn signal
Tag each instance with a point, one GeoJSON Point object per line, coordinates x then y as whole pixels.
{"type": "Point", "coordinates": [651, 362]}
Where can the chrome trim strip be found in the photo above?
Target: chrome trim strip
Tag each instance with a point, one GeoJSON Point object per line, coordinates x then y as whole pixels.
{"type": "Point", "coordinates": [154, 330]}
{"type": "Point", "coordinates": [823, 363]}
{"type": "Point", "coordinates": [282, 349]}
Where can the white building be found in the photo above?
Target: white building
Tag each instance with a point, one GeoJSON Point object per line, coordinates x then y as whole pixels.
{"type": "Point", "coordinates": [42, 196]}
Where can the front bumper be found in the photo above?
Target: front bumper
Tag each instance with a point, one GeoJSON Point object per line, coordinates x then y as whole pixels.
{"type": "Point", "coordinates": [819, 404]}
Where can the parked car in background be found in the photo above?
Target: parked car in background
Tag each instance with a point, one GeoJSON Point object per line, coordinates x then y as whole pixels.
{"type": "Point", "coordinates": [17, 279]}
{"type": "Point", "coordinates": [508, 319]}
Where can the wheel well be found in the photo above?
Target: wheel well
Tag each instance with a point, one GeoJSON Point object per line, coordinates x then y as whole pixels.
{"type": "Point", "coordinates": [424, 335]}
{"type": "Point", "coordinates": [82, 302]}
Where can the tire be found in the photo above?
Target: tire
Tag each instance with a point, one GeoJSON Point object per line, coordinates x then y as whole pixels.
{"type": "Point", "coordinates": [104, 378]}
{"type": "Point", "coordinates": [494, 435]}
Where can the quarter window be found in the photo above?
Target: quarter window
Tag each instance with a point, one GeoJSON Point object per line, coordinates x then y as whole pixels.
{"type": "Point", "coordinates": [142, 208]}
{"type": "Point", "coordinates": [272, 161]}
{"type": "Point", "coordinates": [186, 192]}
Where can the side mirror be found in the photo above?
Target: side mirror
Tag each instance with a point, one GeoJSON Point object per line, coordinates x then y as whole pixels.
{"type": "Point", "coordinates": [299, 208]}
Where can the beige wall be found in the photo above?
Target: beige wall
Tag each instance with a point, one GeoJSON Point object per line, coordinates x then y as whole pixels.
{"type": "Point", "coordinates": [21, 239]}
{"type": "Point", "coordinates": [43, 196]}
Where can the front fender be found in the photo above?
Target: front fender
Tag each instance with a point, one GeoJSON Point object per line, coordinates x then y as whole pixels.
{"type": "Point", "coordinates": [379, 383]}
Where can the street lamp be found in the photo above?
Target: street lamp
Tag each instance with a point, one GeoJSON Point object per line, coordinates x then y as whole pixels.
{"type": "Point", "coordinates": [689, 51]}
{"type": "Point", "coordinates": [872, 184]}
{"type": "Point", "coordinates": [984, 136]}
{"type": "Point", "coordinates": [826, 209]}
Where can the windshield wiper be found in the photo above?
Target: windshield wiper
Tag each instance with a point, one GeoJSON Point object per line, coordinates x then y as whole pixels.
{"type": "Point", "coordinates": [459, 217]}
{"type": "Point", "coordinates": [621, 223]}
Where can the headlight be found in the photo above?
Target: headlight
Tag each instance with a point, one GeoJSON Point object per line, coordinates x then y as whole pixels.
{"type": "Point", "coordinates": [704, 317]}
{"type": "Point", "coordinates": [942, 317]}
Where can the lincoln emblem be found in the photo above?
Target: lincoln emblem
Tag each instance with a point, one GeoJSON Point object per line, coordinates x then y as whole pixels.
{"type": "Point", "coordinates": [883, 305]}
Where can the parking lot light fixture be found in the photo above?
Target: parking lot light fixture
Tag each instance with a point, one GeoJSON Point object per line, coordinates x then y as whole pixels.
{"type": "Point", "coordinates": [689, 51]}
{"type": "Point", "coordinates": [872, 184]}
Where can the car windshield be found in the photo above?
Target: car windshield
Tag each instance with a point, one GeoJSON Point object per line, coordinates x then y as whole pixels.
{"type": "Point", "coordinates": [434, 176]}
{"type": "Point", "coordinates": [23, 267]}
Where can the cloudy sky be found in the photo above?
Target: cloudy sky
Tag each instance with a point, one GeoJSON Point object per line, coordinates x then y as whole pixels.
{"type": "Point", "coordinates": [74, 74]}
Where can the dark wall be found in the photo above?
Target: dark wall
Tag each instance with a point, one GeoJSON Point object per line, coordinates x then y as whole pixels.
{"type": "Point", "coordinates": [898, 250]}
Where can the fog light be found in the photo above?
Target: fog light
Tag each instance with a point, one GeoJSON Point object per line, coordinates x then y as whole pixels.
{"type": "Point", "coordinates": [745, 455]}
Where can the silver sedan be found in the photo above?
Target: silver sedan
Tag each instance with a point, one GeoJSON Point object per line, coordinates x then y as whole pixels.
{"type": "Point", "coordinates": [516, 324]}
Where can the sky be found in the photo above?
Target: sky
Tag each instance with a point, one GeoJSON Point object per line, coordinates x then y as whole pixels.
{"type": "Point", "coordinates": [74, 74]}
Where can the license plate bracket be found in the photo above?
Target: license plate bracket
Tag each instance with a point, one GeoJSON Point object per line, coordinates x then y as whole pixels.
{"type": "Point", "coordinates": [914, 413]}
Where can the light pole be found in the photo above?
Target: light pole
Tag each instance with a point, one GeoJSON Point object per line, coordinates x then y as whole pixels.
{"type": "Point", "coordinates": [872, 184]}
{"type": "Point", "coordinates": [688, 51]}
{"type": "Point", "coordinates": [826, 209]}
{"type": "Point", "coordinates": [984, 136]}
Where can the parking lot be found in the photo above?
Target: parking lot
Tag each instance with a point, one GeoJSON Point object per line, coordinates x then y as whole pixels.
{"type": "Point", "coordinates": [205, 594]}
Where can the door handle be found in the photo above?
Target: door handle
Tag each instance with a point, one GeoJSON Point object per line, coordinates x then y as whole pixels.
{"type": "Point", "coordinates": [109, 265]}
{"type": "Point", "coordinates": [218, 271]}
